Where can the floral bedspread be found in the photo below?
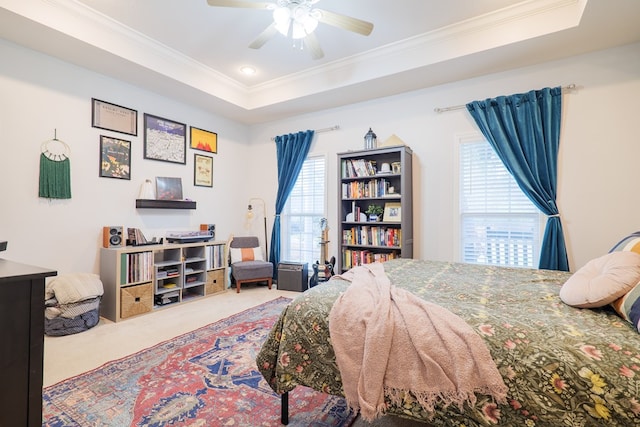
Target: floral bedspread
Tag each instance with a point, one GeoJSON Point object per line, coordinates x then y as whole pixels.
{"type": "Point", "coordinates": [563, 366]}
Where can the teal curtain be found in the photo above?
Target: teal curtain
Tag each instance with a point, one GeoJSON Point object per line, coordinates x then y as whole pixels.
{"type": "Point", "coordinates": [524, 130]}
{"type": "Point", "coordinates": [291, 150]}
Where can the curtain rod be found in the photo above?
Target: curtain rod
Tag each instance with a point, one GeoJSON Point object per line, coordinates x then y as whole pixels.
{"type": "Point", "coordinates": [332, 128]}
{"type": "Point", "coordinates": [460, 107]}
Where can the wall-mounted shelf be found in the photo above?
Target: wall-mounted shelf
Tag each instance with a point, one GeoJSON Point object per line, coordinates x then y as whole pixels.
{"type": "Point", "coordinates": [165, 204]}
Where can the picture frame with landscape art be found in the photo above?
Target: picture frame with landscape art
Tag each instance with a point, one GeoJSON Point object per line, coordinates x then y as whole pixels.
{"type": "Point", "coordinates": [202, 170]}
{"type": "Point", "coordinates": [164, 140]}
{"type": "Point", "coordinates": [108, 116]}
{"type": "Point", "coordinates": [204, 140]}
{"type": "Point", "coordinates": [115, 158]}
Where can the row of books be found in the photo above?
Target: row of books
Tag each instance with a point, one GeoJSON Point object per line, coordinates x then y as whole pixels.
{"type": "Point", "coordinates": [136, 267]}
{"type": "Point", "coordinates": [356, 168]}
{"type": "Point", "coordinates": [372, 188]}
{"type": "Point", "coordinates": [366, 235]}
{"type": "Point", "coordinates": [352, 258]}
{"type": "Point", "coordinates": [215, 256]}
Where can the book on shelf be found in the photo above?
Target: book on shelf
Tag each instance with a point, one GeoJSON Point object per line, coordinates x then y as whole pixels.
{"type": "Point", "coordinates": [353, 258]}
{"type": "Point", "coordinates": [373, 236]}
{"type": "Point", "coordinates": [356, 168]}
{"type": "Point", "coordinates": [378, 187]}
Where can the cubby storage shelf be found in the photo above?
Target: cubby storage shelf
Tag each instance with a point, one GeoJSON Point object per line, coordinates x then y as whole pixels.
{"type": "Point", "coordinates": [140, 279]}
{"type": "Point", "coordinates": [165, 204]}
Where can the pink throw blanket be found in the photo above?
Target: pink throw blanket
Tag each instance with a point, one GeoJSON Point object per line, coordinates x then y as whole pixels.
{"type": "Point", "coordinates": [389, 342]}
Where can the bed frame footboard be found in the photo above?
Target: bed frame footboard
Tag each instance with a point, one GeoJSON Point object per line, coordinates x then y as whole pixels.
{"type": "Point", "coordinates": [284, 408]}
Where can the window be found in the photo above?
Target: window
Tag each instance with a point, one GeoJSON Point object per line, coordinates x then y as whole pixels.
{"type": "Point", "coordinates": [301, 216]}
{"type": "Point", "coordinates": [498, 224]}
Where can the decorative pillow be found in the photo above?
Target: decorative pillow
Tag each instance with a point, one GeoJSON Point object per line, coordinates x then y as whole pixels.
{"type": "Point", "coordinates": [630, 243]}
{"type": "Point", "coordinates": [602, 280]}
{"type": "Point", "coordinates": [246, 254]}
{"type": "Point", "coordinates": [628, 307]}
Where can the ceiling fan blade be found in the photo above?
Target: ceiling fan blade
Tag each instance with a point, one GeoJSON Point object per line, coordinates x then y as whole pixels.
{"type": "Point", "coordinates": [311, 43]}
{"type": "Point", "coordinates": [264, 37]}
{"type": "Point", "coordinates": [240, 3]}
{"type": "Point", "coordinates": [345, 22]}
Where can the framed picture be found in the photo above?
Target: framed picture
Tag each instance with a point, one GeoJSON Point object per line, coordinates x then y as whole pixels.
{"type": "Point", "coordinates": [168, 188]}
{"type": "Point", "coordinates": [204, 140]}
{"type": "Point", "coordinates": [105, 115]}
{"type": "Point", "coordinates": [164, 140]}
{"type": "Point", "coordinates": [115, 158]}
{"type": "Point", "coordinates": [202, 170]}
{"type": "Point", "coordinates": [392, 212]}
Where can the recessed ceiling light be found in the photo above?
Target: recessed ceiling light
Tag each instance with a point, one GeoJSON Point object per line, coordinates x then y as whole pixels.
{"type": "Point", "coordinates": [247, 70]}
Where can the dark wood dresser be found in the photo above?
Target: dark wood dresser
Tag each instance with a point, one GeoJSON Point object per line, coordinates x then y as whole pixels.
{"type": "Point", "coordinates": [22, 348]}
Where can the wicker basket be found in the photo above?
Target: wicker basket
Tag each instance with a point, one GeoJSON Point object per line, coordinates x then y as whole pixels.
{"type": "Point", "coordinates": [215, 282]}
{"type": "Point", "coordinates": [136, 300]}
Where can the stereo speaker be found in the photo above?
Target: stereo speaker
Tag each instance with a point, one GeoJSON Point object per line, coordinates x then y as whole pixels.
{"type": "Point", "coordinates": [211, 228]}
{"type": "Point", "coordinates": [112, 236]}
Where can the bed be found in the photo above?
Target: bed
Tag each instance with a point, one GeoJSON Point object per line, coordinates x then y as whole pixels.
{"type": "Point", "coordinates": [563, 366]}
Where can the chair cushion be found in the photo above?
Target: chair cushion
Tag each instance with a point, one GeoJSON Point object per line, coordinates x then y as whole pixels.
{"type": "Point", "coordinates": [245, 254]}
{"type": "Point", "coordinates": [247, 270]}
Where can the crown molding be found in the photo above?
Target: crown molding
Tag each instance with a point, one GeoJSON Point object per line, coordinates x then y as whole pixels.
{"type": "Point", "coordinates": [519, 22]}
{"type": "Point", "coordinates": [529, 19]}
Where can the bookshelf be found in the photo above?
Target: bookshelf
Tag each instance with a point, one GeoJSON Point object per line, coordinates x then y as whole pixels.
{"type": "Point", "coordinates": [364, 182]}
{"type": "Point", "coordinates": [141, 279]}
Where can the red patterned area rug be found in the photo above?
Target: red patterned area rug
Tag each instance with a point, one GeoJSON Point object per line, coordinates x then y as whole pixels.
{"type": "Point", "coordinates": [204, 378]}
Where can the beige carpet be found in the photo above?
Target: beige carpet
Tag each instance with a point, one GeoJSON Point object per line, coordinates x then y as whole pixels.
{"type": "Point", "coordinates": [388, 421]}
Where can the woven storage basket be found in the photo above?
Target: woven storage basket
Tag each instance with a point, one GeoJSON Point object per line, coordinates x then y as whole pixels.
{"type": "Point", "coordinates": [136, 300]}
{"type": "Point", "coordinates": [215, 282]}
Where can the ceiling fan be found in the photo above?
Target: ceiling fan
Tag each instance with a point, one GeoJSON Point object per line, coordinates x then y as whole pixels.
{"type": "Point", "coordinates": [299, 19]}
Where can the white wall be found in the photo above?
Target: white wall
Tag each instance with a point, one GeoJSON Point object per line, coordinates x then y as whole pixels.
{"type": "Point", "coordinates": [599, 148]}
{"type": "Point", "coordinates": [40, 94]}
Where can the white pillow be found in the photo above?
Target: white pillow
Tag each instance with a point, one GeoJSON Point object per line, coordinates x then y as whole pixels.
{"type": "Point", "coordinates": [602, 280]}
{"type": "Point", "coordinates": [246, 254]}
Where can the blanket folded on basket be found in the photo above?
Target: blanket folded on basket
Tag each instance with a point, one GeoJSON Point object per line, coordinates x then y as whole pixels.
{"type": "Point", "coordinates": [389, 342]}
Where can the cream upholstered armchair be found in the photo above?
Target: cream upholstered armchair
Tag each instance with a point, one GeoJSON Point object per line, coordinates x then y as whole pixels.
{"type": "Point", "coordinates": [247, 262]}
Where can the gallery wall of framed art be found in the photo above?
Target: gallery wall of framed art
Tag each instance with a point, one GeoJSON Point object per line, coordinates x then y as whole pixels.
{"type": "Point", "coordinates": [163, 140]}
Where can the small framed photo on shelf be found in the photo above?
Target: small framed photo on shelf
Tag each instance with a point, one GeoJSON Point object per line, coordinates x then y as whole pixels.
{"type": "Point", "coordinates": [168, 188]}
{"type": "Point", "coordinates": [204, 140]}
{"type": "Point", "coordinates": [164, 140]}
{"type": "Point", "coordinates": [115, 158]}
{"type": "Point", "coordinates": [202, 170]}
{"type": "Point", "coordinates": [105, 115]}
{"type": "Point", "coordinates": [392, 212]}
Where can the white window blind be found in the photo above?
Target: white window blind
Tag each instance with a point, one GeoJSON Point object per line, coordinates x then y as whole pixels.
{"type": "Point", "coordinates": [498, 224]}
{"type": "Point", "coordinates": [302, 213]}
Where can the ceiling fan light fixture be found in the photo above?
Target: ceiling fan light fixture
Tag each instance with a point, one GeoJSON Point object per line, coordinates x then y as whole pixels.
{"type": "Point", "coordinates": [282, 19]}
{"type": "Point", "coordinates": [295, 17]}
{"type": "Point", "coordinates": [297, 31]}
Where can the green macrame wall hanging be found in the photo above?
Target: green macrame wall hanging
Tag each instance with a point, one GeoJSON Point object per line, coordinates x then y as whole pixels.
{"type": "Point", "coordinates": [55, 170]}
